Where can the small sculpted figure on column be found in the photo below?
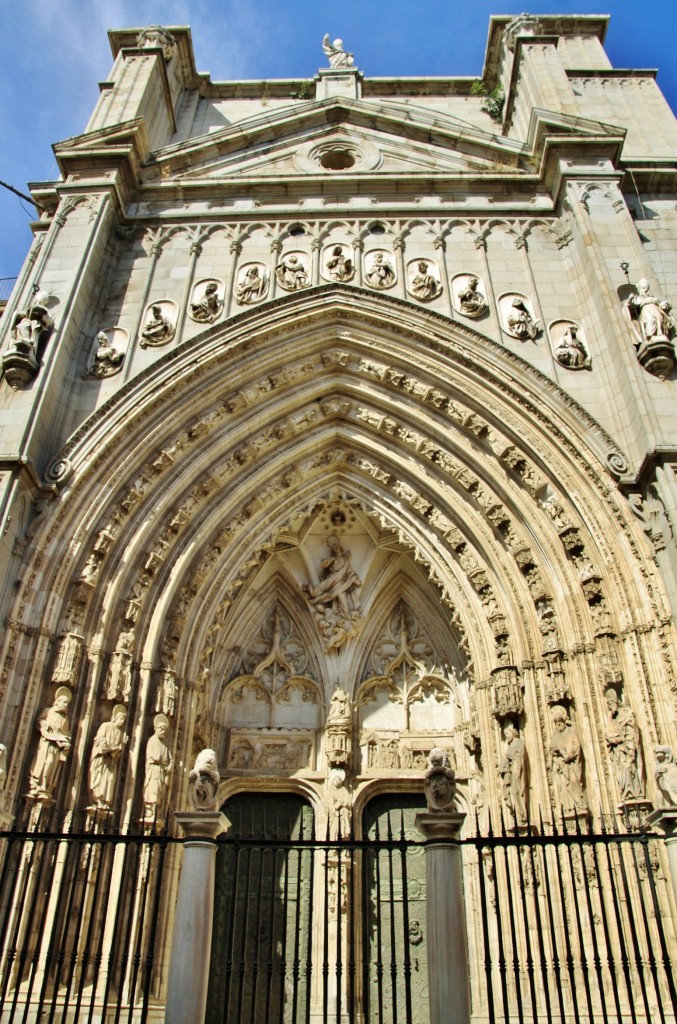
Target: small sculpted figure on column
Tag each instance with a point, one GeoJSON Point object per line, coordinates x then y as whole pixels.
{"type": "Point", "coordinates": [204, 782]}
{"type": "Point", "coordinates": [512, 772]}
{"type": "Point", "coordinates": [54, 745]}
{"type": "Point", "coordinates": [439, 782]}
{"type": "Point", "coordinates": [103, 764]}
{"type": "Point", "coordinates": [567, 764]}
{"type": "Point", "coordinates": [665, 773]}
{"type": "Point", "coordinates": [159, 765]}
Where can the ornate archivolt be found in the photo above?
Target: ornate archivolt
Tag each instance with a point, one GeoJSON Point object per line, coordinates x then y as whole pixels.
{"type": "Point", "coordinates": [463, 470]}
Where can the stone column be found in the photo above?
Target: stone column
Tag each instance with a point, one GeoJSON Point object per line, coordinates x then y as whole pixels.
{"type": "Point", "coordinates": [448, 970]}
{"type": "Point", "coordinates": [192, 941]}
{"type": "Point", "coordinates": [666, 819]}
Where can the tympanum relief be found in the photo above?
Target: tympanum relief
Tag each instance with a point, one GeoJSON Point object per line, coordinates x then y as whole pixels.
{"type": "Point", "coordinates": [252, 284]}
{"type": "Point", "coordinates": [337, 263]}
{"type": "Point", "coordinates": [159, 323]}
{"type": "Point", "coordinates": [423, 280]}
{"type": "Point", "coordinates": [469, 295]}
{"type": "Point", "coordinates": [379, 269]}
{"type": "Point", "coordinates": [108, 352]}
{"type": "Point", "coordinates": [569, 345]}
{"type": "Point", "coordinates": [293, 271]}
{"type": "Point", "coordinates": [206, 302]}
{"type": "Point", "coordinates": [517, 317]}
{"type": "Point", "coordinates": [335, 598]}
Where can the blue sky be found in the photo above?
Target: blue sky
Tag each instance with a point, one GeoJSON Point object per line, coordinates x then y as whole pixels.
{"type": "Point", "coordinates": [54, 52]}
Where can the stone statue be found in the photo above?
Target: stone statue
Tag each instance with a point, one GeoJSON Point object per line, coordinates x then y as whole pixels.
{"type": "Point", "coordinates": [521, 324]}
{"type": "Point", "coordinates": [471, 301]}
{"type": "Point", "coordinates": [566, 762]}
{"type": "Point", "coordinates": [335, 53]}
{"type": "Point", "coordinates": [381, 275]}
{"type": "Point", "coordinates": [570, 350]}
{"type": "Point", "coordinates": [340, 267]}
{"type": "Point", "coordinates": [622, 738]}
{"type": "Point", "coordinates": [119, 678]}
{"type": "Point", "coordinates": [159, 765]}
{"type": "Point", "coordinates": [291, 274]}
{"type": "Point", "coordinates": [425, 285]}
{"type": "Point", "coordinates": [30, 331]}
{"type": "Point", "coordinates": [206, 309]}
{"type": "Point", "coordinates": [340, 805]}
{"type": "Point", "coordinates": [335, 597]}
{"type": "Point", "coordinates": [512, 771]}
{"type": "Point", "coordinates": [665, 773]}
{"type": "Point", "coordinates": [3, 765]}
{"type": "Point", "coordinates": [339, 707]}
{"type": "Point", "coordinates": [440, 782]}
{"type": "Point", "coordinates": [338, 740]}
{"type": "Point", "coordinates": [165, 698]}
{"type": "Point", "coordinates": [103, 763]}
{"type": "Point", "coordinates": [53, 747]}
{"type": "Point", "coordinates": [204, 782]}
{"type": "Point", "coordinates": [648, 316]}
{"type": "Point", "coordinates": [107, 359]}
{"type": "Point", "coordinates": [251, 287]}
{"type": "Point", "coordinates": [159, 328]}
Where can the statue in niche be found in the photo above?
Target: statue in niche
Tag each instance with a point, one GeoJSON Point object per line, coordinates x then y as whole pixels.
{"type": "Point", "coordinates": [338, 743]}
{"type": "Point", "coordinates": [521, 324]}
{"type": "Point", "coordinates": [622, 738]}
{"type": "Point", "coordinates": [291, 273]}
{"type": "Point", "coordinates": [206, 309]}
{"type": "Point", "coordinates": [30, 331]}
{"type": "Point", "coordinates": [340, 805]}
{"type": "Point", "coordinates": [440, 782]}
{"type": "Point", "coordinates": [107, 359]}
{"type": "Point", "coordinates": [336, 597]}
{"type": "Point", "coordinates": [53, 747]}
{"type": "Point", "coordinates": [471, 301]}
{"type": "Point", "coordinates": [103, 763]}
{"type": "Point", "coordinates": [512, 772]}
{"type": "Point", "coordinates": [381, 274]}
{"type": "Point", "coordinates": [159, 328]}
{"type": "Point", "coordinates": [335, 53]}
{"type": "Point", "coordinates": [119, 678]}
{"type": "Point", "coordinates": [165, 698]}
{"type": "Point", "coordinates": [425, 285]}
{"type": "Point", "coordinates": [204, 782]}
{"type": "Point", "coordinates": [649, 316]}
{"type": "Point", "coordinates": [159, 765]}
{"type": "Point", "coordinates": [252, 286]}
{"type": "Point", "coordinates": [665, 773]}
{"type": "Point", "coordinates": [570, 351]}
{"type": "Point", "coordinates": [340, 267]}
{"type": "Point", "coordinates": [566, 762]}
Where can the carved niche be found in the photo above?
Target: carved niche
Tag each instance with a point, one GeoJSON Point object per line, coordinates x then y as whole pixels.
{"type": "Point", "coordinates": [271, 710]}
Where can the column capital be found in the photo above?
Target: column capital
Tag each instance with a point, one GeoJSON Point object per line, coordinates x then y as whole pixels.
{"type": "Point", "coordinates": [440, 825]}
{"type": "Point", "coordinates": [666, 819]}
{"type": "Point", "coordinates": [201, 824]}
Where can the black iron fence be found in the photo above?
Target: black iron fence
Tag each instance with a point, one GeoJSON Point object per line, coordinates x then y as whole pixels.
{"type": "Point", "coordinates": [562, 926]}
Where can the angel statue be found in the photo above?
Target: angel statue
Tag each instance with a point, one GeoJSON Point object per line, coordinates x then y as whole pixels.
{"type": "Point", "coordinates": [335, 54]}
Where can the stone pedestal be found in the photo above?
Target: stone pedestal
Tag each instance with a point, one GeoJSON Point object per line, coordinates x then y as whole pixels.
{"type": "Point", "coordinates": [192, 941]}
{"type": "Point", "coordinates": [448, 971]}
{"type": "Point", "coordinates": [666, 819]}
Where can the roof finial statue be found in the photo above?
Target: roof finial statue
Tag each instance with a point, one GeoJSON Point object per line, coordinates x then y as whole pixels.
{"type": "Point", "coordinates": [335, 54]}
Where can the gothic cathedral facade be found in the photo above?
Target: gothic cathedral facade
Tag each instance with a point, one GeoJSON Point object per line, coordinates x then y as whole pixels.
{"type": "Point", "coordinates": [338, 428]}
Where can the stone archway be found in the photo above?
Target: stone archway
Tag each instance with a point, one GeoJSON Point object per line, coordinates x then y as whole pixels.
{"type": "Point", "coordinates": [463, 483]}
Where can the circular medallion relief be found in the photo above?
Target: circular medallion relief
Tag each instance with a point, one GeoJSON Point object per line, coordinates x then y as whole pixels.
{"type": "Point", "coordinates": [339, 155]}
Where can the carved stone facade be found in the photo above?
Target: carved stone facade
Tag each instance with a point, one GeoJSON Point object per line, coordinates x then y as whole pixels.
{"type": "Point", "coordinates": [298, 470]}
